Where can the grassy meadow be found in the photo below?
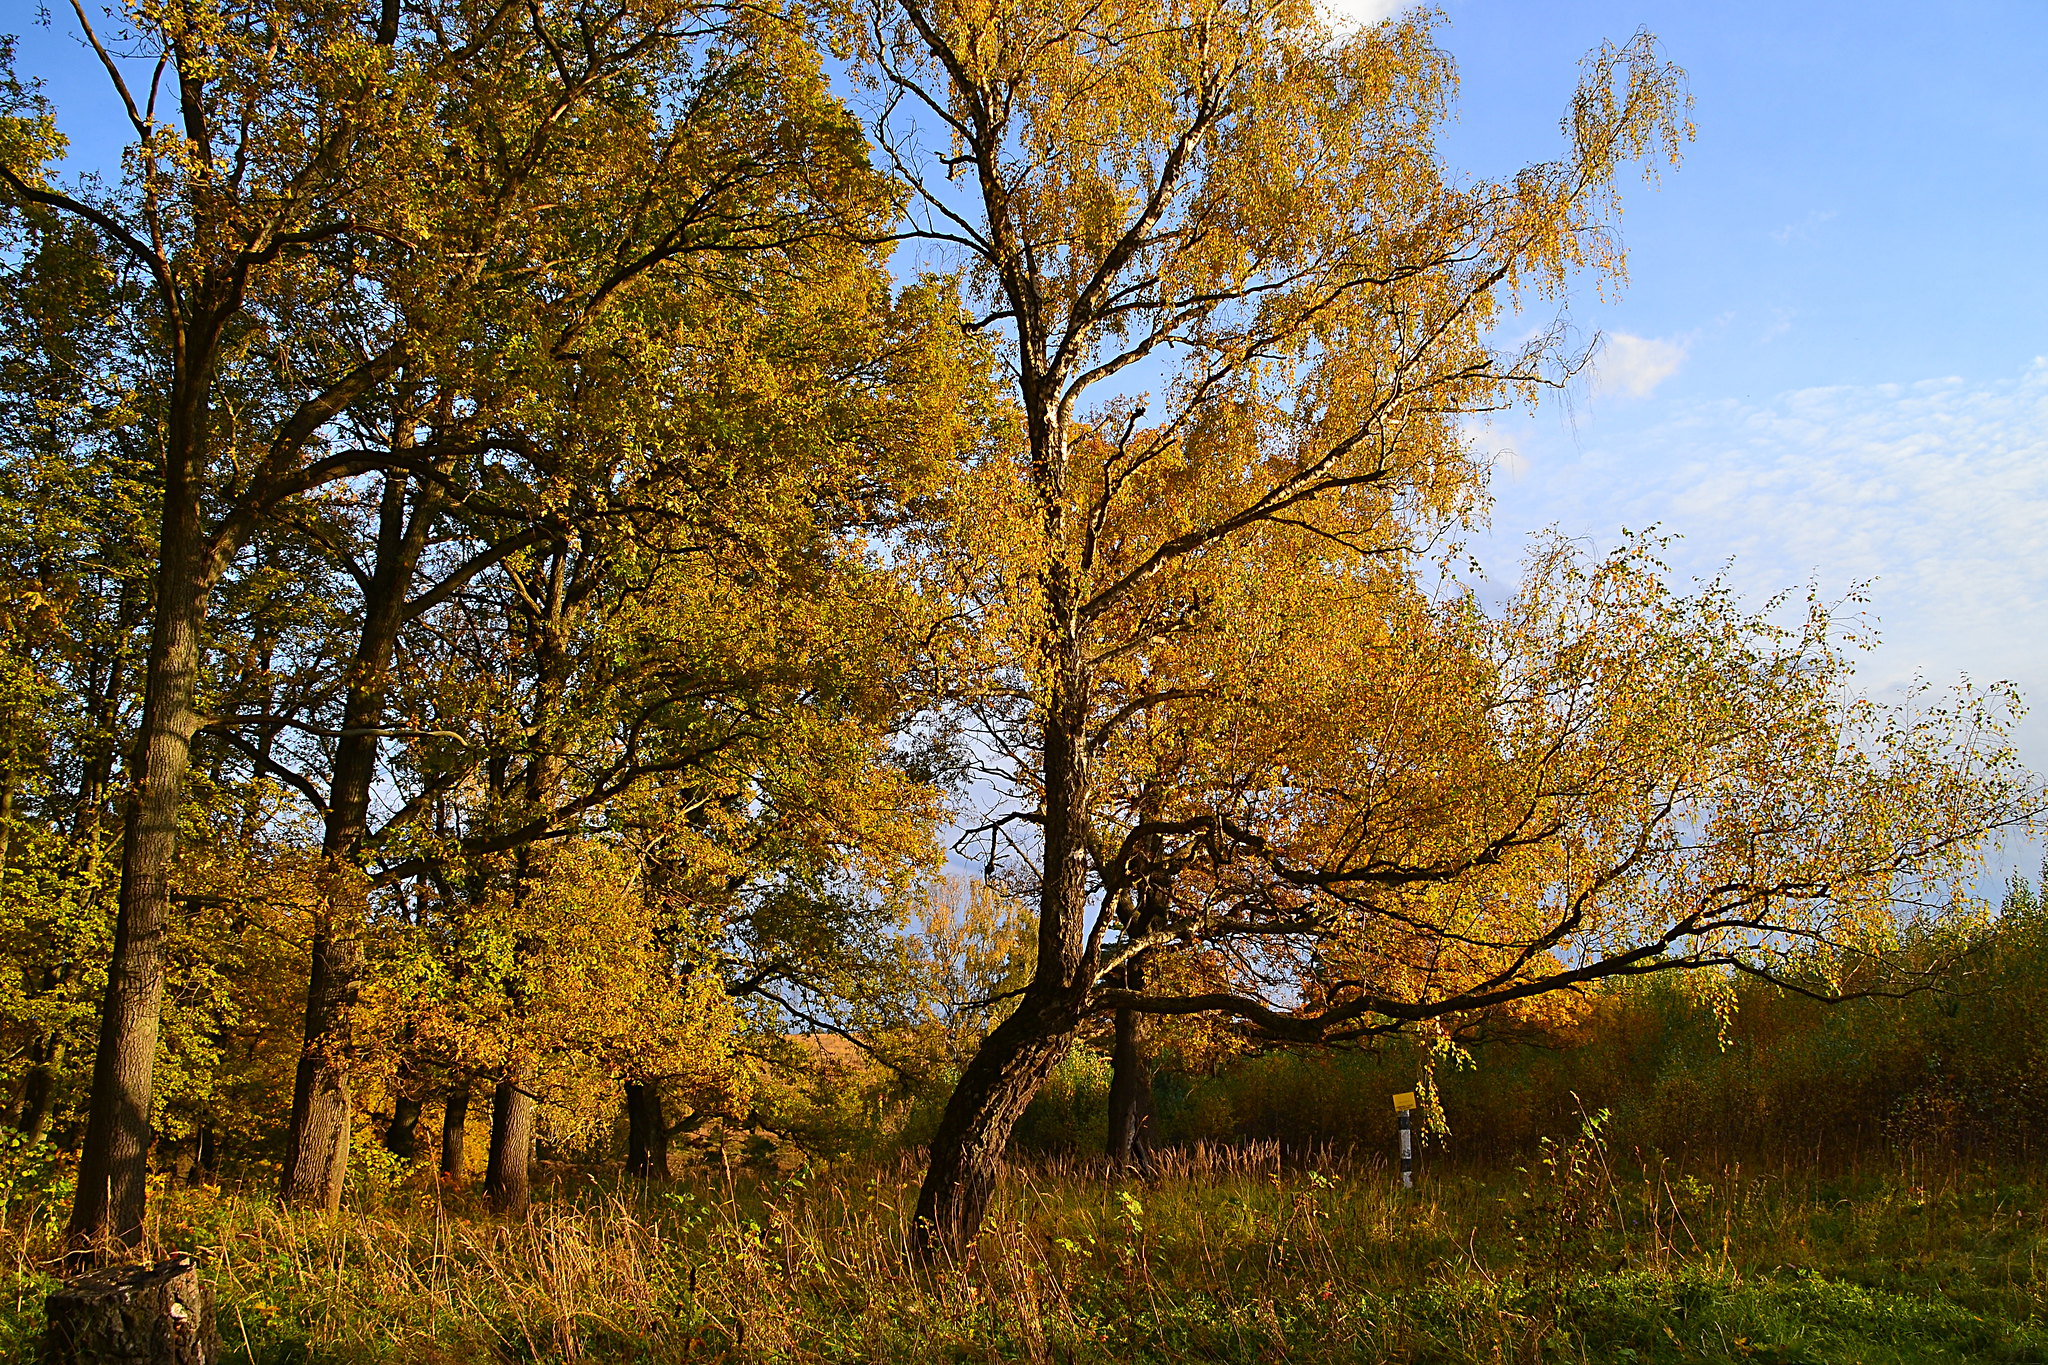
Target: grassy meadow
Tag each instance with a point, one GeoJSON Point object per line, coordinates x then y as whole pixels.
{"type": "Point", "coordinates": [1219, 1254]}
{"type": "Point", "coordinates": [1774, 1181]}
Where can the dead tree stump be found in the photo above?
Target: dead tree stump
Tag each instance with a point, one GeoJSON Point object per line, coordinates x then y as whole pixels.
{"type": "Point", "coordinates": [132, 1315]}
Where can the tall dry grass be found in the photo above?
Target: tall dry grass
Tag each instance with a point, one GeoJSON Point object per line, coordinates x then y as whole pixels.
{"type": "Point", "coordinates": [1218, 1254]}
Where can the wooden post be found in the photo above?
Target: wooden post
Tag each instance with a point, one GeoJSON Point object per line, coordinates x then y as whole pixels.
{"type": "Point", "coordinates": [158, 1314]}
{"type": "Point", "coordinates": [1404, 1119]}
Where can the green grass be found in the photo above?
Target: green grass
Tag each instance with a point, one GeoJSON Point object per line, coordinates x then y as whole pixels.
{"type": "Point", "coordinates": [1219, 1257]}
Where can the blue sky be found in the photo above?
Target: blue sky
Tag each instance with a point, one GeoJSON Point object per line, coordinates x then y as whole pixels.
{"type": "Point", "coordinates": [1829, 361]}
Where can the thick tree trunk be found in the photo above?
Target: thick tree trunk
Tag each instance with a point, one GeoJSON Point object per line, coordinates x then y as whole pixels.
{"type": "Point", "coordinates": [316, 1162]}
{"type": "Point", "coordinates": [316, 1159]}
{"type": "Point", "coordinates": [507, 1178]}
{"type": "Point", "coordinates": [1130, 1093]}
{"type": "Point", "coordinates": [646, 1131]}
{"type": "Point", "coordinates": [455, 1130]}
{"type": "Point", "coordinates": [114, 1161]}
{"type": "Point", "coordinates": [967, 1149]}
{"type": "Point", "coordinates": [1130, 1073]}
{"type": "Point", "coordinates": [402, 1138]}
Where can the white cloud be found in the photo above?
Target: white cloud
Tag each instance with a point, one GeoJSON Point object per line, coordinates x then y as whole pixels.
{"type": "Point", "coordinates": [1635, 365]}
{"type": "Point", "coordinates": [1345, 14]}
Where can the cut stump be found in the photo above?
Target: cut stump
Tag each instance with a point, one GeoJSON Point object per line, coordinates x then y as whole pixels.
{"type": "Point", "coordinates": [132, 1315]}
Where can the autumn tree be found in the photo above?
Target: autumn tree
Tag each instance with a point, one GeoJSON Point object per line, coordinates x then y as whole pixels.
{"type": "Point", "coordinates": [241, 216]}
{"type": "Point", "coordinates": [1246, 312]}
{"type": "Point", "coordinates": [1414, 813]}
{"type": "Point", "coordinates": [643, 175]}
{"type": "Point", "coordinates": [671, 628]}
{"type": "Point", "coordinates": [75, 486]}
{"type": "Point", "coordinates": [321, 213]}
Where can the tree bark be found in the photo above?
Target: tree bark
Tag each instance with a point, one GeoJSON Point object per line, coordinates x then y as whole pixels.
{"type": "Point", "coordinates": [1020, 1052]}
{"type": "Point", "coordinates": [646, 1131]}
{"type": "Point", "coordinates": [1130, 1094]}
{"type": "Point", "coordinates": [205, 1155]}
{"type": "Point", "coordinates": [402, 1138]}
{"type": "Point", "coordinates": [1130, 1074]}
{"type": "Point", "coordinates": [39, 1091]}
{"type": "Point", "coordinates": [132, 1315]}
{"type": "Point", "coordinates": [507, 1178]}
{"type": "Point", "coordinates": [967, 1149]}
{"type": "Point", "coordinates": [316, 1158]}
{"type": "Point", "coordinates": [114, 1161]}
{"type": "Point", "coordinates": [455, 1130]}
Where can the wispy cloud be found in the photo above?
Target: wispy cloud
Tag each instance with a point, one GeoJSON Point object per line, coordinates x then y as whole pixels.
{"type": "Point", "coordinates": [1635, 365]}
{"type": "Point", "coordinates": [1934, 492]}
{"type": "Point", "coordinates": [1803, 230]}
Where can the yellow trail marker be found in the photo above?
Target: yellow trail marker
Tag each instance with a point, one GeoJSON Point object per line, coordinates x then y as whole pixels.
{"type": "Point", "coordinates": [1404, 1120]}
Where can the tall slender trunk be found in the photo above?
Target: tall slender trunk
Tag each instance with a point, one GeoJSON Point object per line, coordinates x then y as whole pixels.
{"type": "Point", "coordinates": [106, 681]}
{"type": "Point", "coordinates": [508, 1177]}
{"type": "Point", "coordinates": [113, 1163]}
{"type": "Point", "coordinates": [506, 1180]}
{"type": "Point", "coordinates": [1130, 1074]}
{"type": "Point", "coordinates": [316, 1160]}
{"type": "Point", "coordinates": [6, 823]}
{"type": "Point", "coordinates": [646, 1131]}
{"type": "Point", "coordinates": [455, 1129]}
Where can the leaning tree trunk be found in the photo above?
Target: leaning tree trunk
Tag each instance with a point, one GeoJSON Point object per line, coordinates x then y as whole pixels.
{"type": "Point", "coordinates": [1021, 1051]}
{"type": "Point", "coordinates": [508, 1178]}
{"type": "Point", "coordinates": [455, 1130]}
{"type": "Point", "coordinates": [967, 1149]}
{"type": "Point", "coordinates": [113, 1162]}
{"type": "Point", "coordinates": [646, 1131]}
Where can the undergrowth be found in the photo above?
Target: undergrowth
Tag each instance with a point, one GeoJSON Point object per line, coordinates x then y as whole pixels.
{"type": "Point", "coordinates": [1225, 1255]}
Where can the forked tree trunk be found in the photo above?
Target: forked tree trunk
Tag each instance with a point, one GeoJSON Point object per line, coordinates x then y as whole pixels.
{"type": "Point", "coordinates": [455, 1130]}
{"type": "Point", "coordinates": [646, 1131]}
{"type": "Point", "coordinates": [508, 1177]}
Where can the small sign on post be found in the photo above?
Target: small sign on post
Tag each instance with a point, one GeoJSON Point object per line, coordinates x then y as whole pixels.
{"type": "Point", "coordinates": [1404, 1118]}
